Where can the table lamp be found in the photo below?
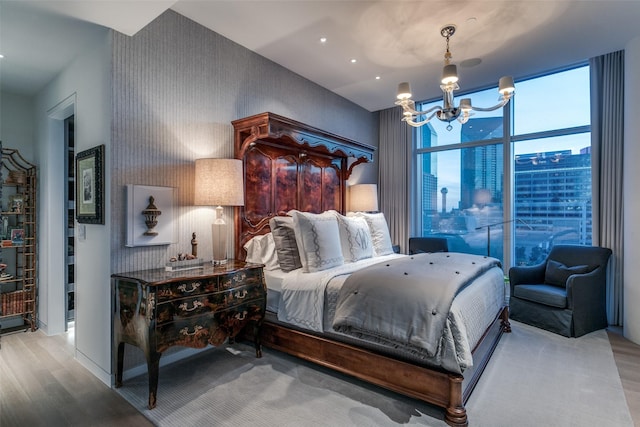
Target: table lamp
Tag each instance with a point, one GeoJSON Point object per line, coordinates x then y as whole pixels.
{"type": "Point", "coordinates": [363, 198]}
{"type": "Point", "coordinates": [219, 182]}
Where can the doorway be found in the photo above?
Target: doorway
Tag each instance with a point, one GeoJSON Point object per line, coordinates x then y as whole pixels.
{"type": "Point", "coordinates": [69, 197]}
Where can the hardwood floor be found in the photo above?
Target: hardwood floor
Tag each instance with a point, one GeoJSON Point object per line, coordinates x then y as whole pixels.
{"type": "Point", "coordinates": [627, 357]}
{"type": "Point", "coordinates": [41, 384]}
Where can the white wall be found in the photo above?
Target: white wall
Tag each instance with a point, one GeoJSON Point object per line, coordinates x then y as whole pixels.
{"type": "Point", "coordinates": [84, 88]}
{"type": "Point", "coordinates": [16, 124]}
{"type": "Point", "coordinates": [631, 178]}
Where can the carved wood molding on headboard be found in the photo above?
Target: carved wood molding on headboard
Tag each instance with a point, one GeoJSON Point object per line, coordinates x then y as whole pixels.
{"type": "Point", "coordinates": [269, 126]}
{"type": "Point", "coordinates": [290, 165]}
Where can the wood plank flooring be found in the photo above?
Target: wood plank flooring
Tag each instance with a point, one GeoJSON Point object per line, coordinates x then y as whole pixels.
{"type": "Point", "coordinates": [41, 384]}
{"type": "Point", "coordinates": [627, 357]}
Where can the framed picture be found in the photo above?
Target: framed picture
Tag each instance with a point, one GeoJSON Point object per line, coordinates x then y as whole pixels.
{"type": "Point", "coordinates": [16, 203]}
{"type": "Point", "coordinates": [90, 186]}
{"type": "Point", "coordinates": [17, 236]}
{"type": "Point", "coordinates": [138, 203]}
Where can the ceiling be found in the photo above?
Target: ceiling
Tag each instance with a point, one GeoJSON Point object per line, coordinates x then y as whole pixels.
{"type": "Point", "coordinates": [392, 40]}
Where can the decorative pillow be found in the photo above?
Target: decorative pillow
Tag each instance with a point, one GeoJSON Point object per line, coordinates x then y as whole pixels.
{"type": "Point", "coordinates": [284, 238]}
{"type": "Point", "coordinates": [355, 238]}
{"type": "Point", "coordinates": [379, 232]}
{"type": "Point", "coordinates": [262, 250]}
{"type": "Point", "coordinates": [318, 240]}
{"type": "Point", "coordinates": [557, 273]}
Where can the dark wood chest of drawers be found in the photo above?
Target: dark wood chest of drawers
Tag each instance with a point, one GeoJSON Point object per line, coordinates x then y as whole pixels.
{"type": "Point", "coordinates": [155, 310]}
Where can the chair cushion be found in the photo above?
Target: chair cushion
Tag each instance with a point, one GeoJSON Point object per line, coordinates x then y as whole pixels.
{"type": "Point", "coordinates": [542, 294]}
{"type": "Point", "coordinates": [557, 273]}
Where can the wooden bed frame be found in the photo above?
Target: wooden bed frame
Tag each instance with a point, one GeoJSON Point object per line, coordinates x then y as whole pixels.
{"type": "Point", "coordinates": [289, 165]}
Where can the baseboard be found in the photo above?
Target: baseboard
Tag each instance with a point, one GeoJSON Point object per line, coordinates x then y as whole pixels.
{"type": "Point", "coordinates": [164, 360]}
{"type": "Point", "coordinates": [91, 366]}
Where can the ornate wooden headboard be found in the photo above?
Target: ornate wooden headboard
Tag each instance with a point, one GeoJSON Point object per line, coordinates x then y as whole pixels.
{"type": "Point", "coordinates": [289, 165]}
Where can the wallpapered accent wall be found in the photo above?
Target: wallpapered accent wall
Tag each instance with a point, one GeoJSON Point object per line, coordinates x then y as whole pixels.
{"type": "Point", "coordinates": [176, 88]}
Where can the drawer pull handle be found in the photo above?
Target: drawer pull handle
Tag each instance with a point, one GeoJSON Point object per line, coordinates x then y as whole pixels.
{"type": "Point", "coordinates": [194, 286]}
{"type": "Point", "coordinates": [241, 294]}
{"type": "Point", "coordinates": [185, 331]}
{"type": "Point", "coordinates": [241, 316]}
{"type": "Point", "coordinates": [196, 305]}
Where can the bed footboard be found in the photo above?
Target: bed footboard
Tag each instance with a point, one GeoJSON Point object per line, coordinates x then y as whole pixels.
{"type": "Point", "coordinates": [437, 387]}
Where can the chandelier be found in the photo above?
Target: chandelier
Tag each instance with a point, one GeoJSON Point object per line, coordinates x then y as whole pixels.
{"type": "Point", "coordinates": [449, 83]}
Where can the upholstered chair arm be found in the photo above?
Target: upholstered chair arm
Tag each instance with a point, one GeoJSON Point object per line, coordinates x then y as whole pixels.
{"type": "Point", "coordinates": [586, 291]}
{"type": "Point", "coordinates": [526, 274]}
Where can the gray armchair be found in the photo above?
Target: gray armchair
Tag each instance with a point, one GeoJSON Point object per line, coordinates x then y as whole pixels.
{"type": "Point", "coordinates": [427, 244]}
{"type": "Point", "coordinates": [566, 294]}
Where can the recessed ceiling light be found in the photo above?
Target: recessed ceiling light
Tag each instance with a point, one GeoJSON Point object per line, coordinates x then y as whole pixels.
{"type": "Point", "coordinates": [1, 56]}
{"type": "Point", "coordinates": [353, 60]}
{"type": "Point", "coordinates": [471, 62]}
{"type": "Point", "coordinates": [323, 39]}
{"type": "Point", "coordinates": [377, 77]}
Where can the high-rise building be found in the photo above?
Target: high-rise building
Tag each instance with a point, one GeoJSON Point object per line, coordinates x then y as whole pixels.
{"type": "Point", "coordinates": [481, 167]}
{"type": "Point", "coordinates": [429, 181]}
{"type": "Point", "coordinates": [553, 192]}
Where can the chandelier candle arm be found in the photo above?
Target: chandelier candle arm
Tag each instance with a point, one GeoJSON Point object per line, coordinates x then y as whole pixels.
{"type": "Point", "coordinates": [449, 83]}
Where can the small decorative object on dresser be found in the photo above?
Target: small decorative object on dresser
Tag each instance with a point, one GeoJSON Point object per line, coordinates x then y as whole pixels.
{"type": "Point", "coordinates": [155, 310]}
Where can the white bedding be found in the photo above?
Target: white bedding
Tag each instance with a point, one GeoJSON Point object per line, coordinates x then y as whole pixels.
{"type": "Point", "coordinates": [308, 300]}
{"type": "Point", "coordinates": [302, 294]}
{"type": "Point", "coordinates": [274, 279]}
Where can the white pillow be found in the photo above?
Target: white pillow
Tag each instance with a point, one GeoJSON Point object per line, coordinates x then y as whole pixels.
{"type": "Point", "coordinates": [355, 238]}
{"type": "Point", "coordinates": [318, 240]}
{"type": "Point", "coordinates": [379, 232]}
{"type": "Point", "coordinates": [262, 250]}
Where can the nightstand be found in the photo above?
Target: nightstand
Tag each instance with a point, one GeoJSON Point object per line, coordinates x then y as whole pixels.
{"type": "Point", "coordinates": [155, 310]}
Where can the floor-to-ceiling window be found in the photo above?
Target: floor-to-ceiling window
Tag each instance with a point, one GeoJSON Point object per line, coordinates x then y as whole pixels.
{"type": "Point", "coordinates": [510, 183]}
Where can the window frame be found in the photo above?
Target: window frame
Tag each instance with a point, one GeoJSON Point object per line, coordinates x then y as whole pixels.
{"type": "Point", "coordinates": [507, 140]}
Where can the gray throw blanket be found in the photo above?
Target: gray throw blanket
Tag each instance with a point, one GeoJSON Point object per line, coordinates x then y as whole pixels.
{"type": "Point", "coordinates": [406, 301]}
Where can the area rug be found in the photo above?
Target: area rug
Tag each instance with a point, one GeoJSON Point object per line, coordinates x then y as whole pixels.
{"type": "Point", "coordinates": [535, 378]}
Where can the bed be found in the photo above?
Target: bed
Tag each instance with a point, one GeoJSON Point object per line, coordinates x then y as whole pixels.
{"type": "Point", "coordinates": [295, 170]}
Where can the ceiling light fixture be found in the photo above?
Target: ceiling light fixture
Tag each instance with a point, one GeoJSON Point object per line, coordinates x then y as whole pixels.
{"type": "Point", "coordinates": [448, 112]}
